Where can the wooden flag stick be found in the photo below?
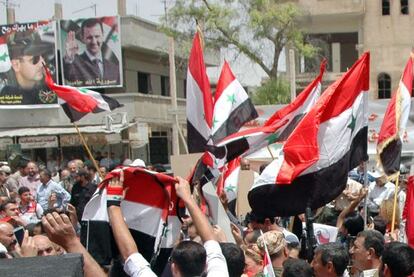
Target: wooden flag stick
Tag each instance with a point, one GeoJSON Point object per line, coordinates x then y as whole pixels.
{"type": "Point", "coordinates": [270, 152]}
{"type": "Point", "coordinates": [88, 150]}
{"type": "Point", "coordinates": [394, 208]}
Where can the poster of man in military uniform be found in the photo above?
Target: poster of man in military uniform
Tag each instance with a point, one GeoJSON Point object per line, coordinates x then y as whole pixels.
{"type": "Point", "coordinates": [24, 48]}
{"type": "Point", "coordinates": [91, 52]}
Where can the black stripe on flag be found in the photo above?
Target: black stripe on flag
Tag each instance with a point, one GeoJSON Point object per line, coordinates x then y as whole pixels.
{"type": "Point", "coordinates": [195, 141]}
{"type": "Point", "coordinates": [391, 157]}
{"type": "Point", "coordinates": [316, 188]}
{"type": "Point", "coordinates": [237, 118]}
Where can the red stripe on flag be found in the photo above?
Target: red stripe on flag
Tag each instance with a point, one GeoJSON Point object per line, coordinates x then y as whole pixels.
{"type": "Point", "coordinates": [225, 79]}
{"type": "Point", "coordinates": [301, 150]}
{"type": "Point", "coordinates": [73, 97]}
{"type": "Point", "coordinates": [300, 100]}
{"type": "Point", "coordinates": [198, 70]}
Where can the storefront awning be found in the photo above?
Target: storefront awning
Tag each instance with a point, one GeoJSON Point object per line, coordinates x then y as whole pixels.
{"type": "Point", "coordinates": [37, 131]}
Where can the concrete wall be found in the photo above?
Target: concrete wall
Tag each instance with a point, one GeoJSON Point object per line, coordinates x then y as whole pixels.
{"type": "Point", "coordinates": [389, 38]}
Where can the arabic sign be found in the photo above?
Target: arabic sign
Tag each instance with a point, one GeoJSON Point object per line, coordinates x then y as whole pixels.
{"type": "Point", "coordinates": [38, 142]}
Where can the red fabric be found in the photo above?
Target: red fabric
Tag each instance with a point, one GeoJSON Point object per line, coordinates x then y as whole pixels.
{"type": "Point", "coordinates": [198, 70]}
{"type": "Point", "coordinates": [408, 213]}
{"type": "Point", "coordinates": [225, 79]}
{"type": "Point", "coordinates": [77, 100]}
{"type": "Point", "coordinates": [301, 149]}
{"type": "Point", "coordinates": [390, 126]}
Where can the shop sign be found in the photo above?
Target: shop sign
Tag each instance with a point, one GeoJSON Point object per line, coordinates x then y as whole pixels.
{"type": "Point", "coordinates": [4, 142]}
{"type": "Point", "coordinates": [38, 142]}
{"type": "Point", "coordinates": [74, 140]}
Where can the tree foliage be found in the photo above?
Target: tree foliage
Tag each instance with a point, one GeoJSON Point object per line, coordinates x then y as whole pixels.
{"type": "Point", "coordinates": [274, 91]}
{"type": "Point", "coordinates": [259, 29]}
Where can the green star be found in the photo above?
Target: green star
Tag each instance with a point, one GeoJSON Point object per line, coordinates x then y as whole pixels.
{"type": "Point", "coordinates": [114, 38]}
{"type": "Point", "coordinates": [3, 57]}
{"type": "Point", "coordinates": [352, 124]}
{"type": "Point", "coordinates": [272, 138]}
{"type": "Point", "coordinates": [230, 188]}
{"type": "Point", "coordinates": [214, 121]}
{"type": "Point", "coordinates": [231, 98]}
{"type": "Point", "coordinates": [83, 90]}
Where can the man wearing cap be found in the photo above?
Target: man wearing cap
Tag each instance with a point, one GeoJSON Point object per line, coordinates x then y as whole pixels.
{"type": "Point", "coordinates": [89, 68]}
{"type": "Point", "coordinates": [275, 243]}
{"type": "Point", "coordinates": [378, 191]}
{"type": "Point", "coordinates": [25, 83]}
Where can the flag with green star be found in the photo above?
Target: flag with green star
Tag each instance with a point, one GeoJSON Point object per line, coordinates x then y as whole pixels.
{"type": "Point", "coordinates": [5, 63]}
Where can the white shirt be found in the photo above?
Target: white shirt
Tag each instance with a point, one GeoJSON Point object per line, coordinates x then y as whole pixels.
{"type": "Point", "coordinates": [377, 194]}
{"type": "Point", "coordinates": [137, 266]}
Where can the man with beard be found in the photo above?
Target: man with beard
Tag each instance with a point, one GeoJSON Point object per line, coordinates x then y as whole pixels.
{"type": "Point", "coordinates": [397, 260]}
{"type": "Point", "coordinates": [32, 180]}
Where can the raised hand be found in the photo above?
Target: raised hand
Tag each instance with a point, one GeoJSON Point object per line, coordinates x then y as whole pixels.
{"type": "Point", "coordinates": [28, 247]}
{"type": "Point", "coordinates": [71, 46]}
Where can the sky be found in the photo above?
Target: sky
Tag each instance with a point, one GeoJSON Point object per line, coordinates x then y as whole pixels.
{"type": "Point", "coordinates": [247, 72]}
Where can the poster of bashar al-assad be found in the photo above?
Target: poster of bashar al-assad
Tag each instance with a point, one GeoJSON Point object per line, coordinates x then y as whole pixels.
{"type": "Point", "coordinates": [91, 52]}
{"type": "Point", "coordinates": [24, 48]}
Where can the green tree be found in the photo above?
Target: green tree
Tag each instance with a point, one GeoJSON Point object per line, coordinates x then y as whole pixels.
{"type": "Point", "coordinates": [274, 91]}
{"type": "Point", "coordinates": [259, 29]}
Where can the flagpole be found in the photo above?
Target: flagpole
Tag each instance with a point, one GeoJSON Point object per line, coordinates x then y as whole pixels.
{"type": "Point", "coordinates": [366, 196]}
{"type": "Point", "coordinates": [88, 150]}
{"type": "Point", "coordinates": [270, 152]}
{"type": "Point", "coordinates": [395, 202]}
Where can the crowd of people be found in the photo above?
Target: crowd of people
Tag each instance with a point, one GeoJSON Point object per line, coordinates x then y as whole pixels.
{"type": "Point", "coordinates": [40, 215]}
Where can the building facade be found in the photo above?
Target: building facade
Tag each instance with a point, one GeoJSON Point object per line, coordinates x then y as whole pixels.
{"type": "Point", "coordinates": [344, 29]}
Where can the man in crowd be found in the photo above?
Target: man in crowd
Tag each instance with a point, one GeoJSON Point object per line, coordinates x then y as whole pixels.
{"type": "Point", "coordinates": [397, 260]}
{"type": "Point", "coordinates": [66, 180]}
{"type": "Point", "coordinates": [44, 246]}
{"type": "Point", "coordinates": [9, 211]}
{"type": "Point", "coordinates": [91, 65]}
{"type": "Point", "coordinates": [366, 252]}
{"type": "Point", "coordinates": [14, 179]}
{"type": "Point", "coordinates": [32, 180]}
{"type": "Point", "coordinates": [378, 191]}
{"type": "Point", "coordinates": [82, 191]}
{"type": "Point", "coordinates": [330, 260]}
{"type": "Point", "coordinates": [276, 245]}
{"type": "Point", "coordinates": [4, 191]}
{"type": "Point", "coordinates": [25, 84]}
{"type": "Point", "coordinates": [47, 187]}
{"type": "Point", "coordinates": [30, 210]}
{"type": "Point", "coordinates": [187, 259]}
{"type": "Point", "coordinates": [7, 237]}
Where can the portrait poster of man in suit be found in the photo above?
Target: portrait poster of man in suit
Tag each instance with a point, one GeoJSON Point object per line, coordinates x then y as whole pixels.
{"type": "Point", "coordinates": [24, 48]}
{"type": "Point", "coordinates": [91, 52]}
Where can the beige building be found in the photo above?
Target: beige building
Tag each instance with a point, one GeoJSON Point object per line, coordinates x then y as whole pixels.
{"type": "Point", "coordinates": [344, 29]}
{"type": "Point", "coordinates": [142, 128]}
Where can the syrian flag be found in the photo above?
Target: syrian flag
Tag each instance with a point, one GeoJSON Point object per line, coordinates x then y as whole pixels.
{"type": "Point", "coordinates": [5, 63]}
{"type": "Point", "coordinates": [408, 212]}
{"type": "Point", "coordinates": [229, 180]}
{"type": "Point", "coordinates": [267, 262]}
{"type": "Point", "coordinates": [330, 140]}
{"type": "Point", "coordinates": [395, 121]}
{"type": "Point", "coordinates": [199, 100]}
{"type": "Point", "coordinates": [232, 106]}
{"type": "Point", "coordinates": [112, 47]}
{"type": "Point", "coordinates": [150, 211]}
{"type": "Point", "coordinates": [276, 129]}
{"type": "Point", "coordinates": [78, 102]}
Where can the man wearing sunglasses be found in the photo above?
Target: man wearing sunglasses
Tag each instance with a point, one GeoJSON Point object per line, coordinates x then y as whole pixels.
{"type": "Point", "coordinates": [25, 84]}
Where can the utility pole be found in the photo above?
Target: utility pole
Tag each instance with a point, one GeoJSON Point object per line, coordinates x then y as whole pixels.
{"type": "Point", "coordinates": [173, 90]}
{"type": "Point", "coordinates": [10, 12]}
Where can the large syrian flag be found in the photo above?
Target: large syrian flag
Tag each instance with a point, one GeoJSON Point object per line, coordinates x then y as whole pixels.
{"type": "Point", "coordinates": [150, 211]}
{"type": "Point", "coordinates": [395, 121]}
{"type": "Point", "coordinates": [330, 140]}
{"type": "Point", "coordinates": [199, 100]}
{"type": "Point", "coordinates": [232, 106]}
{"type": "Point", "coordinates": [276, 129]}
{"type": "Point", "coordinates": [5, 63]}
{"type": "Point", "coordinates": [78, 102]}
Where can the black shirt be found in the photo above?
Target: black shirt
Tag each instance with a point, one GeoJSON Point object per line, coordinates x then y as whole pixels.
{"type": "Point", "coordinates": [80, 196]}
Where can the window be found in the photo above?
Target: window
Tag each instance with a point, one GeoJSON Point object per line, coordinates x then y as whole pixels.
{"type": "Point", "coordinates": [404, 6]}
{"type": "Point", "coordinates": [384, 86]}
{"type": "Point", "coordinates": [144, 82]}
{"type": "Point", "coordinates": [165, 86]}
{"type": "Point", "coordinates": [385, 7]}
